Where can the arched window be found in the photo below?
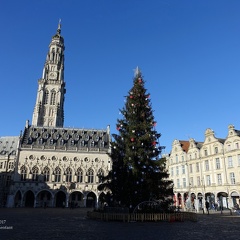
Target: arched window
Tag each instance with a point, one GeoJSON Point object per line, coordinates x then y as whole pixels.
{"type": "Point", "coordinates": [68, 174]}
{"type": "Point", "coordinates": [46, 174]}
{"type": "Point", "coordinates": [35, 173]}
{"type": "Point", "coordinates": [53, 97]}
{"type": "Point", "coordinates": [90, 174]}
{"type": "Point", "coordinates": [46, 97]}
{"type": "Point", "coordinates": [23, 173]}
{"type": "Point", "coordinates": [100, 175]}
{"type": "Point", "coordinates": [79, 174]}
{"type": "Point", "coordinates": [57, 174]}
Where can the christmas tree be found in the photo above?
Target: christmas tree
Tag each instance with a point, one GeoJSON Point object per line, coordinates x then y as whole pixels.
{"type": "Point", "coordinates": [138, 173]}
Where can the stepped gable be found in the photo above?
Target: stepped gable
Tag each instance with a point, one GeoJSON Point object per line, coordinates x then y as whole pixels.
{"type": "Point", "coordinates": [67, 138]}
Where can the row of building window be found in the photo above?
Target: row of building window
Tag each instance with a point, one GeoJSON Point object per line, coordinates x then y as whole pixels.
{"type": "Point", "coordinates": [10, 165]}
{"type": "Point", "coordinates": [64, 158]}
{"type": "Point", "coordinates": [208, 181]}
{"type": "Point", "coordinates": [207, 166]}
{"type": "Point", "coordinates": [216, 151]}
{"type": "Point", "coordinates": [58, 174]}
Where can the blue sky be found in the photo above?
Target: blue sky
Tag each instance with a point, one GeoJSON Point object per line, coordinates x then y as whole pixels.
{"type": "Point", "coordinates": [188, 52]}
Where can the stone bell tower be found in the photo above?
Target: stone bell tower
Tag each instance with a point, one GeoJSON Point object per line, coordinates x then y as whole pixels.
{"type": "Point", "coordinates": [49, 107]}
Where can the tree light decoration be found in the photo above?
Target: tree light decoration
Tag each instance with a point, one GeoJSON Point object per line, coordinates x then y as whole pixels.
{"type": "Point", "coordinates": [137, 168]}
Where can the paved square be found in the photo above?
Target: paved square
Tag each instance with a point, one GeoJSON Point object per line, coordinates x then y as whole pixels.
{"type": "Point", "coordinates": [54, 223]}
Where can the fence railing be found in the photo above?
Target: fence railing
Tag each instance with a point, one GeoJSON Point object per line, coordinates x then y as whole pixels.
{"type": "Point", "coordinates": [144, 217]}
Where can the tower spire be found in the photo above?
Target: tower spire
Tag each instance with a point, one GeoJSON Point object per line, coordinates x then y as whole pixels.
{"type": "Point", "coordinates": [59, 26]}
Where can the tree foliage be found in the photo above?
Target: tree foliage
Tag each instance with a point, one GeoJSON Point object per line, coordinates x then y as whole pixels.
{"type": "Point", "coordinates": [138, 173]}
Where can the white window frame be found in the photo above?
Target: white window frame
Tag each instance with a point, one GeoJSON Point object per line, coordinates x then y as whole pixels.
{"type": "Point", "coordinates": [184, 183]}
{"type": "Point", "coordinates": [219, 179]}
{"type": "Point", "coordinates": [232, 178]}
{"type": "Point", "coordinates": [230, 161]}
{"type": "Point", "coordinates": [206, 165]}
{"type": "Point", "coordinates": [208, 180]}
{"type": "Point", "coordinates": [218, 165]}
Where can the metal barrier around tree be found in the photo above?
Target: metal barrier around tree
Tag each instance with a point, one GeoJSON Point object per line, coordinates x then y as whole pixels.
{"type": "Point", "coordinates": [144, 217]}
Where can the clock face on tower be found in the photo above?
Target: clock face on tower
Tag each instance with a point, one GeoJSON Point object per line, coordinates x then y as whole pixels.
{"type": "Point", "coordinates": [52, 75]}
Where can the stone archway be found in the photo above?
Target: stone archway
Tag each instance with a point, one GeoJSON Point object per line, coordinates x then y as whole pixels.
{"type": "Point", "coordinates": [76, 199]}
{"type": "Point", "coordinates": [102, 200]}
{"type": "Point", "coordinates": [200, 200]}
{"type": "Point", "coordinates": [91, 200]}
{"type": "Point", "coordinates": [222, 200]}
{"type": "Point", "coordinates": [60, 199]}
{"type": "Point", "coordinates": [210, 197]}
{"type": "Point", "coordinates": [29, 199]}
{"type": "Point", "coordinates": [44, 199]}
{"type": "Point", "coordinates": [18, 199]}
{"type": "Point", "coordinates": [193, 198]}
{"type": "Point", "coordinates": [235, 199]}
{"type": "Point", "coordinates": [179, 200]}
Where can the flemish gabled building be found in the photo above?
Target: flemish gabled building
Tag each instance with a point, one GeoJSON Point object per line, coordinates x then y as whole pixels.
{"type": "Point", "coordinates": [8, 158]}
{"type": "Point", "coordinates": [206, 171]}
{"type": "Point", "coordinates": [57, 166]}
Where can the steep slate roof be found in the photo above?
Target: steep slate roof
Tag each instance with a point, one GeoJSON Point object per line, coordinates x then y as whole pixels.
{"type": "Point", "coordinates": [199, 144]}
{"type": "Point", "coordinates": [65, 138]}
{"type": "Point", "coordinates": [221, 140]}
{"type": "Point", "coordinates": [8, 145]}
{"type": "Point", "coordinates": [238, 132]}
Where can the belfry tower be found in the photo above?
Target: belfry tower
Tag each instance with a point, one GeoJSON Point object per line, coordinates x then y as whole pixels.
{"type": "Point", "coordinates": [48, 110]}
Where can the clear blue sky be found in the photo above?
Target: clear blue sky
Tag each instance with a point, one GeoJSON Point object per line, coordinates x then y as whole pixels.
{"type": "Point", "coordinates": [188, 51]}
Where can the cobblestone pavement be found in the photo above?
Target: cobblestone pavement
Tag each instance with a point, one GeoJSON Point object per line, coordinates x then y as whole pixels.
{"type": "Point", "coordinates": [71, 224]}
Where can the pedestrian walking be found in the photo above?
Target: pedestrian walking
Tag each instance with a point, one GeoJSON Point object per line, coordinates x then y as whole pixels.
{"type": "Point", "coordinates": [207, 206]}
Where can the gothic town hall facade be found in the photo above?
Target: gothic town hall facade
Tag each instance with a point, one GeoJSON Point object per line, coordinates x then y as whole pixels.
{"type": "Point", "coordinates": [50, 165]}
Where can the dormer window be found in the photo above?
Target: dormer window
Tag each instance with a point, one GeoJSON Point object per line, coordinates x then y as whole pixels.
{"type": "Point", "coordinates": [61, 142]}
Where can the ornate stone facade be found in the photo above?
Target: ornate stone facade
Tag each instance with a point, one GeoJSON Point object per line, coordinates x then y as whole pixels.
{"type": "Point", "coordinates": [60, 165]}
{"type": "Point", "coordinates": [206, 171]}
{"type": "Point", "coordinates": [57, 166]}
